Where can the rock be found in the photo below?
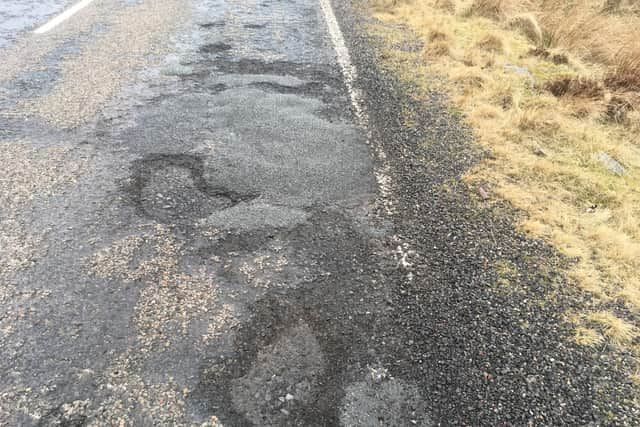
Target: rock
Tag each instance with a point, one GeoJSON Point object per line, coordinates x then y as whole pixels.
{"type": "Point", "coordinates": [612, 164]}
{"type": "Point", "coordinates": [520, 71]}
{"type": "Point", "coordinates": [288, 397]}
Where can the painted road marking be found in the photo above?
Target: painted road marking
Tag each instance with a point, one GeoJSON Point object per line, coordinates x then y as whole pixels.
{"type": "Point", "coordinates": [63, 16]}
{"type": "Point", "coordinates": [382, 172]}
{"type": "Point", "coordinates": [350, 75]}
{"type": "Point", "coordinates": [344, 60]}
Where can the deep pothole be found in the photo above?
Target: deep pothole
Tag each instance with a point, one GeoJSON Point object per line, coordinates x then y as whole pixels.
{"type": "Point", "coordinates": [171, 188]}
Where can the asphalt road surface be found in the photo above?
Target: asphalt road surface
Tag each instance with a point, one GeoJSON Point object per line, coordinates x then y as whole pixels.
{"type": "Point", "coordinates": [19, 16]}
{"type": "Point", "coordinates": [184, 223]}
{"type": "Point", "coordinates": [199, 226]}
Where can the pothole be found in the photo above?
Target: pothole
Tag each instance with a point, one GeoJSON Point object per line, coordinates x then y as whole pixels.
{"type": "Point", "coordinates": [170, 188]}
{"type": "Point", "coordinates": [282, 378]}
{"type": "Point", "coordinates": [215, 48]}
{"type": "Point", "coordinates": [306, 88]}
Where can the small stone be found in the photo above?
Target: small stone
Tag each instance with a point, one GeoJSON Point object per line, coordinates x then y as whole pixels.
{"type": "Point", "coordinates": [520, 71]}
{"type": "Point", "coordinates": [288, 397]}
{"type": "Point", "coordinates": [612, 164]}
{"type": "Point", "coordinates": [285, 412]}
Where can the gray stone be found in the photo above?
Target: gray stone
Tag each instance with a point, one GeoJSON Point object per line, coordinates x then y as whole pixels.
{"type": "Point", "coordinates": [520, 71]}
{"type": "Point", "coordinates": [612, 164]}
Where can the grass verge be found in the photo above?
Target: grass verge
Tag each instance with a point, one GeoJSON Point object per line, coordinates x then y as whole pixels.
{"type": "Point", "coordinates": [552, 91]}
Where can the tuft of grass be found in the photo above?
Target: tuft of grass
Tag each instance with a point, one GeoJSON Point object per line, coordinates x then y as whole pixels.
{"type": "Point", "coordinates": [625, 74]}
{"type": "Point", "coordinates": [492, 9]}
{"type": "Point", "coordinates": [448, 6]}
{"type": "Point", "coordinates": [528, 25]}
{"type": "Point", "coordinates": [491, 43]}
{"type": "Point", "coordinates": [616, 330]}
{"type": "Point", "coordinates": [557, 58]}
{"type": "Point", "coordinates": [631, 293]}
{"type": "Point", "coordinates": [580, 87]}
{"type": "Point", "coordinates": [587, 337]}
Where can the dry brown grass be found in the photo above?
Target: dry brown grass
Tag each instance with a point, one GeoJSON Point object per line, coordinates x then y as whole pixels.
{"type": "Point", "coordinates": [587, 336]}
{"type": "Point", "coordinates": [492, 9]}
{"type": "Point", "coordinates": [491, 43]}
{"type": "Point", "coordinates": [615, 329]}
{"type": "Point", "coordinates": [579, 87]}
{"type": "Point", "coordinates": [528, 25]}
{"type": "Point", "coordinates": [546, 130]}
{"type": "Point", "coordinates": [625, 73]}
{"type": "Point", "coordinates": [448, 6]}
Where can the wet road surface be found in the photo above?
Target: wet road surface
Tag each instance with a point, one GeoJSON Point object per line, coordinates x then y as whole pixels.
{"type": "Point", "coordinates": [186, 233]}
{"type": "Point", "coordinates": [20, 16]}
{"type": "Point", "coordinates": [208, 217]}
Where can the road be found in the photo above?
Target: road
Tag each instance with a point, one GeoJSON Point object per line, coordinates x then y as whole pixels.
{"type": "Point", "coordinates": [209, 215]}
{"type": "Point", "coordinates": [19, 16]}
{"type": "Point", "coordinates": [186, 222]}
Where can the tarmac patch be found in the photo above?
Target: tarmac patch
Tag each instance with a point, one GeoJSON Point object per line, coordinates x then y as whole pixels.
{"type": "Point", "coordinates": [282, 377]}
{"type": "Point", "coordinates": [381, 400]}
{"type": "Point", "coordinates": [170, 188]}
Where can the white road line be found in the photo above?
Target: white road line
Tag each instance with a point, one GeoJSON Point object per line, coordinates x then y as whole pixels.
{"type": "Point", "coordinates": [382, 172]}
{"type": "Point", "coordinates": [350, 75]}
{"type": "Point", "coordinates": [63, 16]}
{"type": "Point", "coordinates": [344, 60]}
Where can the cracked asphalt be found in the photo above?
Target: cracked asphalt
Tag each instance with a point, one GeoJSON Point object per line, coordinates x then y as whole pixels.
{"type": "Point", "coordinates": [192, 233]}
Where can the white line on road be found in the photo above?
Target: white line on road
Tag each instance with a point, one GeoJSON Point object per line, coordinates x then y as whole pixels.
{"type": "Point", "coordinates": [344, 59]}
{"type": "Point", "coordinates": [63, 16]}
{"type": "Point", "coordinates": [382, 173]}
{"type": "Point", "coordinates": [350, 75]}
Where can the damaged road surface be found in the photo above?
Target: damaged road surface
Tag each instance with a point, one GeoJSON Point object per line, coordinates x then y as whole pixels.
{"type": "Point", "coordinates": [186, 230]}
{"type": "Point", "coordinates": [199, 226]}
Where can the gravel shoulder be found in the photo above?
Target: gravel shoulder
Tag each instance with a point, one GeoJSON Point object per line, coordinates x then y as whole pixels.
{"type": "Point", "coordinates": [484, 307]}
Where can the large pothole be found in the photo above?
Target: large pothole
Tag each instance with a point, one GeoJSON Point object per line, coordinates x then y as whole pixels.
{"type": "Point", "coordinates": [170, 188]}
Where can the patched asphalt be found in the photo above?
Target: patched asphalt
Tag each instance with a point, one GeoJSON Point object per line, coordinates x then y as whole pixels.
{"type": "Point", "coordinates": [215, 255]}
{"type": "Point", "coordinates": [204, 241]}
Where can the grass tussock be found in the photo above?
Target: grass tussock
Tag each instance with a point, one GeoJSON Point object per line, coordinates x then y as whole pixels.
{"type": "Point", "coordinates": [615, 329]}
{"type": "Point", "coordinates": [587, 336]}
{"type": "Point", "coordinates": [527, 24]}
{"type": "Point", "coordinates": [491, 43]}
{"type": "Point", "coordinates": [551, 88]}
{"type": "Point", "coordinates": [578, 87]}
{"type": "Point", "coordinates": [492, 9]}
{"type": "Point", "coordinates": [625, 73]}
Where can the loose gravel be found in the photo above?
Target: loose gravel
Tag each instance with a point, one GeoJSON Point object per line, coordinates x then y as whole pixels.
{"type": "Point", "coordinates": [484, 354]}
